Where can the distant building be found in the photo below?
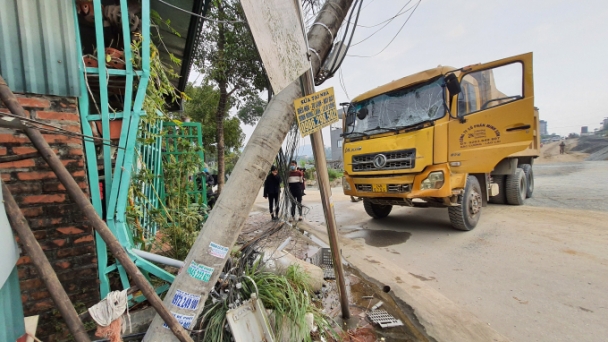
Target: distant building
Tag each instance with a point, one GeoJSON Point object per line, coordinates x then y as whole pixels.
{"type": "Point", "coordinates": [584, 130]}
{"type": "Point", "coordinates": [543, 127]}
{"type": "Point", "coordinates": [336, 144]}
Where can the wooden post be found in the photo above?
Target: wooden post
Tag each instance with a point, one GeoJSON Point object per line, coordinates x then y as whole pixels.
{"type": "Point", "coordinates": [46, 272]}
{"type": "Point", "coordinates": [64, 176]}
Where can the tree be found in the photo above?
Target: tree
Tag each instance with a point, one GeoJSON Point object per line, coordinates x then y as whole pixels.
{"type": "Point", "coordinates": [201, 107]}
{"type": "Point", "coordinates": [252, 110]}
{"type": "Point", "coordinates": [228, 57]}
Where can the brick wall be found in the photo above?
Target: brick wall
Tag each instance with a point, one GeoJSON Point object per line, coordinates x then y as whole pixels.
{"type": "Point", "coordinates": [56, 221]}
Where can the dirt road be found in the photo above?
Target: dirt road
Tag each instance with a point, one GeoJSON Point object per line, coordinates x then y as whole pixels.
{"type": "Point", "coordinates": [534, 273]}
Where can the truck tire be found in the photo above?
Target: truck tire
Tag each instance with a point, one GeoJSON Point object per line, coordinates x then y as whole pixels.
{"type": "Point", "coordinates": [530, 178]}
{"type": "Point", "coordinates": [501, 198]}
{"type": "Point", "coordinates": [466, 215]}
{"type": "Point", "coordinates": [376, 211]}
{"type": "Point", "coordinates": [516, 187]}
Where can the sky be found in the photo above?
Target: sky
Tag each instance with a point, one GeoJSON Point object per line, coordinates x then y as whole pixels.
{"type": "Point", "coordinates": [569, 41]}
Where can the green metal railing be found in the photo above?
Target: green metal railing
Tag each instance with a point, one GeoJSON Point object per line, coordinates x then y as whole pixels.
{"type": "Point", "coordinates": [111, 205]}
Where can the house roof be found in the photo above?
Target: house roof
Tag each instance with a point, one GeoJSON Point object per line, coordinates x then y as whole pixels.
{"type": "Point", "coordinates": [181, 46]}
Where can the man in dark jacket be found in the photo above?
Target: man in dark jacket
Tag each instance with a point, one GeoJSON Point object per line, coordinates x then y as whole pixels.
{"type": "Point", "coordinates": [272, 189]}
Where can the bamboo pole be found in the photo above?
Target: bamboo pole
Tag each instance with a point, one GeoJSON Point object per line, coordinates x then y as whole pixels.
{"type": "Point", "coordinates": [46, 272]}
{"type": "Point", "coordinates": [64, 176]}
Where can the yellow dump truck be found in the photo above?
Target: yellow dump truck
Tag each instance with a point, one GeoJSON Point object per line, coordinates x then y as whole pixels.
{"type": "Point", "coordinates": [445, 137]}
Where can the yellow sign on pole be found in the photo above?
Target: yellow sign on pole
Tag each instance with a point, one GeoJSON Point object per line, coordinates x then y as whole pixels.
{"type": "Point", "coordinates": [316, 111]}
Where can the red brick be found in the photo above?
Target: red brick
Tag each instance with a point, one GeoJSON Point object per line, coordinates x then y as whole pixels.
{"type": "Point", "coordinates": [43, 305]}
{"type": "Point", "coordinates": [23, 298]}
{"type": "Point", "coordinates": [88, 238]}
{"type": "Point", "coordinates": [10, 138]}
{"type": "Point", "coordinates": [24, 150]}
{"type": "Point", "coordinates": [70, 230]}
{"type": "Point", "coordinates": [60, 138]}
{"type": "Point", "coordinates": [35, 175]}
{"type": "Point", "coordinates": [33, 102]}
{"type": "Point", "coordinates": [20, 188]}
{"type": "Point", "coordinates": [72, 128]}
{"type": "Point", "coordinates": [2, 151]}
{"type": "Point", "coordinates": [56, 198]}
{"type": "Point", "coordinates": [23, 272]}
{"type": "Point", "coordinates": [76, 152]}
{"type": "Point", "coordinates": [24, 260]}
{"type": "Point", "coordinates": [77, 173]}
{"type": "Point", "coordinates": [72, 163]}
{"type": "Point", "coordinates": [74, 251]}
{"type": "Point", "coordinates": [19, 164]}
{"type": "Point", "coordinates": [40, 234]}
{"type": "Point", "coordinates": [30, 284]}
{"type": "Point", "coordinates": [62, 116]}
{"type": "Point", "coordinates": [31, 212]}
{"type": "Point", "coordinates": [53, 186]}
{"type": "Point", "coordinates": [5, 177]}
{"type": "Point", "coordinates": [44, 222]}
{"type": "Point", "coordinates": [63, 264]}
{"type": "Point", "coordinates": [37, 295]}
{"type": "Point", "coordinates": [59, 242]}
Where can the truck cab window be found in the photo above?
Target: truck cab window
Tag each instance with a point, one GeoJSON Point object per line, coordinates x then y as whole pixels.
{"type": "Point", "coordinates": [489, 88]}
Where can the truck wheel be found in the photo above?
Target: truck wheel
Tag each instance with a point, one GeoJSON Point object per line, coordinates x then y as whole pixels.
{"type": "Point", "coordinates": [376, 211]}
{"type": "Point", "coordinates": [516, 187]}
{"type": "Point", "coordinates": [501, 198]}
{"type": "Point", "coordinates": [529, 177]}
{"type": "Point", "coordinates": [466, 215]}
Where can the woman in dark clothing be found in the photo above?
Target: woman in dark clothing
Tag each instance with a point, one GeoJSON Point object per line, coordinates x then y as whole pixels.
{"type": "Point", "coordinates": [272, 189]}
{"type": "Point", "coordinates": [295, 180]}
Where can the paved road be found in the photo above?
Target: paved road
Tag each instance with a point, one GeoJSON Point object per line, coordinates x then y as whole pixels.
{"type": "Point", "coordinates": [537, 272]}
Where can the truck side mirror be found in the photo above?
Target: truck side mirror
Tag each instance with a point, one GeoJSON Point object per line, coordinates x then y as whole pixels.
{"type": "Point", "coordinates": [451, 81]}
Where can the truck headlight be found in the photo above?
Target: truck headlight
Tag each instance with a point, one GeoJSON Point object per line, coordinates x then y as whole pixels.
{"type": "Point", "coordinates": [345, 184]}
{"type": "Point", "coordinates": [433, 181]}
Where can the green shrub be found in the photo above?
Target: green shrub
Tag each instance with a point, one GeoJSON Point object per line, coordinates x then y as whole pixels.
{"type": "Point", "coordinates": [334, 174]}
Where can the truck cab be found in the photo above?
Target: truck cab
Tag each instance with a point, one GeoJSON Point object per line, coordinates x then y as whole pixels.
{"type": "Point", "coordinates": [444, 137]}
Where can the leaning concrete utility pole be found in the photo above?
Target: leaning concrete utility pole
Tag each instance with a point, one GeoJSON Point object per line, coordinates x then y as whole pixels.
{"type": "Point", "coordinates": [208, 255]}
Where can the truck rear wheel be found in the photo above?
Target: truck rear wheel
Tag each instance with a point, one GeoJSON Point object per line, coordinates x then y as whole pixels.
{"type": "Point", "coordinates": [501, 198]}
{"type": "Point", "coordinates": [466, 215]}
{"type": "Point", "coordinates": [376, 211]}
{"type": "Point", "coordinates": [530, 178]}
{"type": "Point", "coordinates": [516, 187]}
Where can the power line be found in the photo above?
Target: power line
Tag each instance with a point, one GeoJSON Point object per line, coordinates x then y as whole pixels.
{"type": "Point", "coordinates": [200, 16]}
{"type": "Point", "coordinates": [342, 84]}
{"type": "Point", "coordinates": [388, 21]}
{"type": "Point", "coordinates": [389, 43]}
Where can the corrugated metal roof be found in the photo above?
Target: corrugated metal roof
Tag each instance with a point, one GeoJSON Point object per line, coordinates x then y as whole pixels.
{"type": "Point", "coordinates": [38, 47]}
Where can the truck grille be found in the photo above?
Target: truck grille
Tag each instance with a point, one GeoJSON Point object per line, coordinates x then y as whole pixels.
{"type": "Point", "coordinates": [395, 160]}
{"type": "Point", "coordinates": [390, 188]}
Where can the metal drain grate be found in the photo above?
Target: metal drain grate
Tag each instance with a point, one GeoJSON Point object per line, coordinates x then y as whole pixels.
{"type": "Point", "coordinates": [382, 318]}
{"type": "Point", "coordinates": [329, 273]}
{"type": "Point", "coordinates": [323, 258]}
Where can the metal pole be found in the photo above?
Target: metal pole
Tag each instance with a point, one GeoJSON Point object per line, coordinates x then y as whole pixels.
{"type": "Point", "coordinates": [64, 176]}
{"type": "Point", "coordinates": [318, 150]}
{"type": "Point", "coordinates": [47, 274]}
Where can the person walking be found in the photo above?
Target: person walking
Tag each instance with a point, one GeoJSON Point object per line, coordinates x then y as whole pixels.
{"type": "Point", "coordinates": [272, 190]}
{"type": "Point", "coordinates": [296, 177]}
{"type": "Point", "coordinates": [562, 147]}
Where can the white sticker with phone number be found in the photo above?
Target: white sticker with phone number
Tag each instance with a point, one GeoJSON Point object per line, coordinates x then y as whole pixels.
{"type": "Point", "coordinates": [218, 250]}
{"type": "Point", "coordinates": [185, 300]}
{"type": "Point", "coordinates": [183, 320]}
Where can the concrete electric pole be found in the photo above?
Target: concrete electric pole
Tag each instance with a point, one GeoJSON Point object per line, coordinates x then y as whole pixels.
{"type": "Point", "coordinates": [208, 255]}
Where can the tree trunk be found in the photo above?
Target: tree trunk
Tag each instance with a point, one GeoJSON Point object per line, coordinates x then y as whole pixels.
{"type": "Point", "coordinates": [231, 209]}
{"type": "Point", "coordinates": [220, 115]}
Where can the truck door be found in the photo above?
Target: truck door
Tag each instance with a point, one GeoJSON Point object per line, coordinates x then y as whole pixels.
{"type": "Point", "coordinates": [495, 112]}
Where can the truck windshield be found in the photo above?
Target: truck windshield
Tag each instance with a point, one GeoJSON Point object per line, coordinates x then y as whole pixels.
{"type": "Point", "coordinates": [398, 109]}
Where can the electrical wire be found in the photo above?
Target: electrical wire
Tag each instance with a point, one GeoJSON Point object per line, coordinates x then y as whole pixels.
{"type": "Point", "coordinates": [200, 16]}
{"type": "Point", "coordinates": [57, 129]}
{"type": "Point", "coordinates": [389, 43]}
{"type": "Point", "coordinates": [342, 84]}
{"type": "Point", "coordinates": [388, 21]}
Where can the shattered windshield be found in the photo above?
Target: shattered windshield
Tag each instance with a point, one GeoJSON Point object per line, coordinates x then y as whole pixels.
{"type": "Point", "coordinates": [398, 109]}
